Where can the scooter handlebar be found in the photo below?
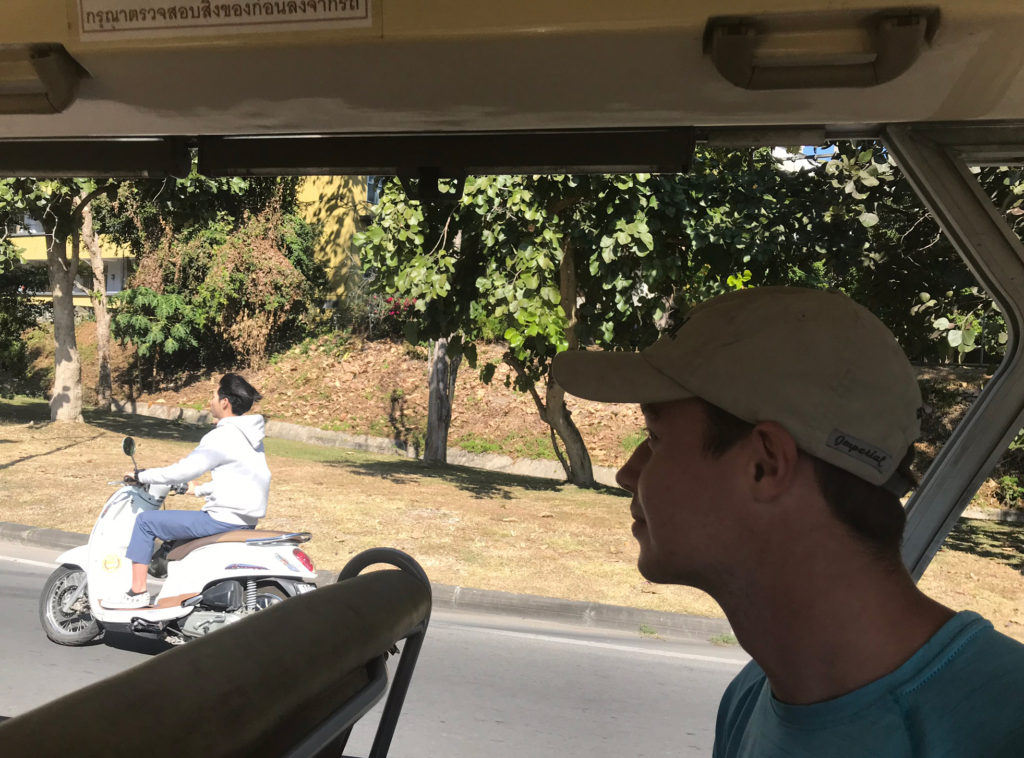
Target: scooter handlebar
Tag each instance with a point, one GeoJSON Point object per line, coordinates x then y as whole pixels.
{"type": "Point", "coordinates": [173, 489]}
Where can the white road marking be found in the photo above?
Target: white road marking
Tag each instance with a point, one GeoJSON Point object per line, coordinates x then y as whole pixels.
{"type": "Point", "coordinates": [27, 562]}
{"type": "Point", "coordinates": [608, 646]}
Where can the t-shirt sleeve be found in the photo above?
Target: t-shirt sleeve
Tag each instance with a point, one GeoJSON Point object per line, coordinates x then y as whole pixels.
{"type": "Point", "coordinates": [735, 709]}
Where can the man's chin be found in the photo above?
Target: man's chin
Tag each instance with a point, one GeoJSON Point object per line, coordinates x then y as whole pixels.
{"type": "Point", "coordinates": [657, 572]}
{"type": "Point", "coordinates": [652, 571]}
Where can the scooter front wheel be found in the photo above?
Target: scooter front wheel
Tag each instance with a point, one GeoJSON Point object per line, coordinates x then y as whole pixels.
{"type": "Point", "coordinates": [64, 608]}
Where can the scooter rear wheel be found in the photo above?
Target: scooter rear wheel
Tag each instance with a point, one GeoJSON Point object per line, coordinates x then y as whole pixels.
{"type": "Point", "coordinates": [63, 624]}
{"type": "Point", "coordinates": [268, 595]}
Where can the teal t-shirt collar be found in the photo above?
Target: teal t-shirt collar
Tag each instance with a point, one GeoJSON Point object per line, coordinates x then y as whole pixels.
{"type": "Point", "coordinates": [923, 664]}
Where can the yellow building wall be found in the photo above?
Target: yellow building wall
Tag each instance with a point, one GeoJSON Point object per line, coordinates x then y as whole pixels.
{"type": "Point", "coordinates": [336, 203]}
{"type": "Point", "coordinates": [33, 250]}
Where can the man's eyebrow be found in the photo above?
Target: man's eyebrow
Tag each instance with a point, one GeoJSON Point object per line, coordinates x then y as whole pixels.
{"type": "Point", "coordinates": [649, 410]}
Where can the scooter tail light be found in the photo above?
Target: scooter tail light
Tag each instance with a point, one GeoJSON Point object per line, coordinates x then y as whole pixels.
{"type": "Point", "coordinates": [304, 559]}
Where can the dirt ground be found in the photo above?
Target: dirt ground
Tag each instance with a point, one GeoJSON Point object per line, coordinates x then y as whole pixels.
{"type": "Point", "coordinates": [467, 527]}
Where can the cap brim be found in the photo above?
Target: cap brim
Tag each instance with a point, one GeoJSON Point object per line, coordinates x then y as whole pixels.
{"type": "Point", "coordinates": [612, 377]}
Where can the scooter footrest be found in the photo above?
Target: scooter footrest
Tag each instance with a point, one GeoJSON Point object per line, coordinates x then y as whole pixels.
{"type": "Point", "coordinates": [141, 626]}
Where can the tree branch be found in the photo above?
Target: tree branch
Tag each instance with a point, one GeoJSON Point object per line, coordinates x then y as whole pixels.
{"type": "Point", "coordinates": [557, 206]}
{"type": "Point", "coordinates": [909, 231]}
{"type": "Point", "coordinates": [558, 452]}
{"type": "Point", "coordinates": [517, 366]}
{"type": "Point", "coordinates": [89, 198]}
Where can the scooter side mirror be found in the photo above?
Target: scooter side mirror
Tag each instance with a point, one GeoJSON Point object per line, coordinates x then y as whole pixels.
{"type": "Point", "coordinates": [128, 446]}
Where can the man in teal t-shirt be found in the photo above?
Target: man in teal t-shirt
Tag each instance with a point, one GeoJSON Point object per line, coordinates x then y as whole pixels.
{"type": "Point", "coordinates": [781, 424]}
{"type": "Point", "coordinates": [958, 695]}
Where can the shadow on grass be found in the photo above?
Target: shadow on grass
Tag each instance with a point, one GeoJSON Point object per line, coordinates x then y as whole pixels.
{"type": "Point", "coordinates": [1003, 543]}
{"type": "Point", "coordinates": [478, 482]}
{"type": "Point", "coordinates": [23, 411]}
{"type": "Point", "coordinates": [38, 412]}
{"type": "Point", "coordinates": [145, 426]}
{"type": "Point", "coordinates": [24, 458]}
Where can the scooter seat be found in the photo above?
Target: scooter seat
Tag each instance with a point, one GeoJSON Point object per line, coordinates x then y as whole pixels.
{"type": "Point", "coordinates": [239, 535]}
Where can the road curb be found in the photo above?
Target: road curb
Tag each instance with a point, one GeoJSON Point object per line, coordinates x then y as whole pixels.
{"type": "Point", "coordinates": [449, 597]}
{"type": "Point", "coordinates": [40, 536]}
{"type": "Point", "coordinates": [1005, 516]}
{"type": "Point", "coordinates": [661, 623]}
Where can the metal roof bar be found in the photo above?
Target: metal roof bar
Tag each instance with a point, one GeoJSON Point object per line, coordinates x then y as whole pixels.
{"type": "Point", "coordinates": [932, 159]}
{"type": "Point", "coordinates": [667, 150]}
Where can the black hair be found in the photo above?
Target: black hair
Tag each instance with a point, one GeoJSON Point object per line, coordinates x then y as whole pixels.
{"type": "Point", "coordinates": [872, 513]}
{"type": "Point", "coordinates": [238, 392]}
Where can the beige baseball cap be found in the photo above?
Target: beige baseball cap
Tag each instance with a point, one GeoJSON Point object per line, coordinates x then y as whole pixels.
{"type": "Point", "coordinates": [814, 361]}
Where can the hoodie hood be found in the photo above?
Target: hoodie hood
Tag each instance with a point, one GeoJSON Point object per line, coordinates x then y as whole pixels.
{"type": "Point", "coordinates": [253, 427]}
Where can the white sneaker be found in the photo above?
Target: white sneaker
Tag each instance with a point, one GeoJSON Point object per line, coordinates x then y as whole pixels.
{"type": "Point", "coordinates": [124, 600]}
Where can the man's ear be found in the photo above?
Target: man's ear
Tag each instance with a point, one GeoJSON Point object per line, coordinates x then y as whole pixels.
{"type": "Point", "coordinates": [773, 460]}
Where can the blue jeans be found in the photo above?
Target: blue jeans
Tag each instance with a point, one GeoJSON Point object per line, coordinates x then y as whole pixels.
{"type": "Point", "coordinates": [172, 525]}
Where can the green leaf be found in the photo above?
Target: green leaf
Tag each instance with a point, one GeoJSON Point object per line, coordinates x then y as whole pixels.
{"type": "Point", "coordinates": [411, 332]}
{"type": "Point", "coordinates": [551, 294]}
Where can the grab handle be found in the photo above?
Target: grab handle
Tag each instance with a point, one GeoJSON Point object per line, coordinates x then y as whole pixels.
{"type": "Point", "coordinates": [896, 39]}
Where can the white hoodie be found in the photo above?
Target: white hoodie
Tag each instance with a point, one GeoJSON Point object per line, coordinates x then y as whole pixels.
{"type": "Point", "coordinates": [233, 452]}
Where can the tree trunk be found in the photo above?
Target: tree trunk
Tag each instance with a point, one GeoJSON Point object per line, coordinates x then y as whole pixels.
{"type": "Point", "coordinates": [578, 468]}
{"type": "Point", "coordinates": [445, 357]}
{"type": "Point", "coordinates": [553, 411]}
{"type": "Point", "coordinates": [66, 394]}
{"type": "Point", "coordinates": [98, 295]}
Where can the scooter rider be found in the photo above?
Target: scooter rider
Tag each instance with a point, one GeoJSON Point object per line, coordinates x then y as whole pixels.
{"type": "Point", "coordinates": [236, 498]}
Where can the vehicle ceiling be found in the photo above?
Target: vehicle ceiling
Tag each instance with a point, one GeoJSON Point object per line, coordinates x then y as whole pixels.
{"type": "Point", "coordinates": [472, 65]}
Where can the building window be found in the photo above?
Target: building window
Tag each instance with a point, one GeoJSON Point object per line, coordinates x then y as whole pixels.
{"type": "Point", "coordinates": [374, 185]}
{"type": "Point", "coordinates": [28, 227]}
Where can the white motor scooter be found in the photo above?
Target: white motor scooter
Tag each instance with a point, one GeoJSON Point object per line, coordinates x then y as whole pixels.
{"type": "Point", "coordinates": [208, 582]}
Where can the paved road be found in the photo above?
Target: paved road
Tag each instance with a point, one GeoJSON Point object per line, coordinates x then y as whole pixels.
{"type": "Point", "coordinates": [485, 685]}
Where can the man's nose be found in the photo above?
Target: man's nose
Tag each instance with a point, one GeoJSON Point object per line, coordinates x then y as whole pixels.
{"type": "Point", "coordinates": [629, 473]}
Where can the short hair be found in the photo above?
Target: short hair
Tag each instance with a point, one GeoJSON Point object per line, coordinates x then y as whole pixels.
{"type": "Point", "coordinates": [238, 392]}
{"type": "Point", "coordinates": [872, 513]}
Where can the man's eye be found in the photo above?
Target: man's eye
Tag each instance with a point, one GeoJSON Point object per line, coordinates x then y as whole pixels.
{"type": "Point", "coordinates": [651, 436]}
